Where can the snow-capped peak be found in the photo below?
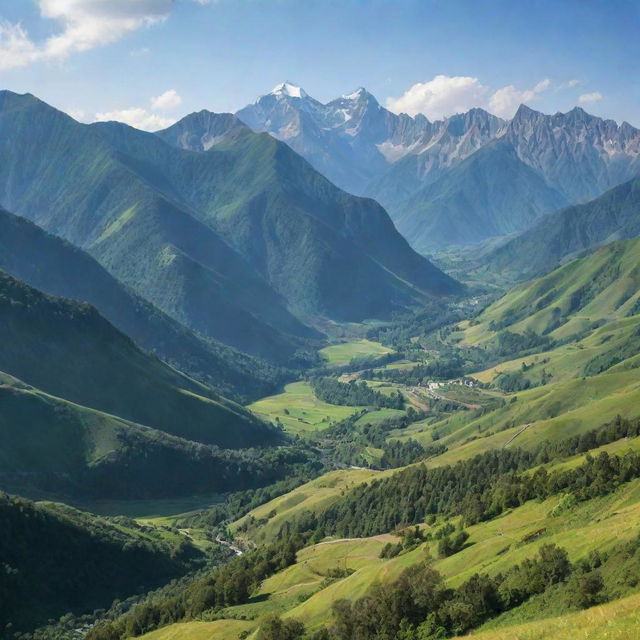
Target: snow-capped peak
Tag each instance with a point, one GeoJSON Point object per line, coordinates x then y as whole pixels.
{"type": "Point", "coordinates": [288, 89]}
{"type": "Point", "coordinates": [355, 95]}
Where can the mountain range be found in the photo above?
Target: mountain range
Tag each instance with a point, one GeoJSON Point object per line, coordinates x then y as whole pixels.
{"type": "Point", "coordinates": [244, 243]}
{"type": "Point", "coordinates": [421, 170]}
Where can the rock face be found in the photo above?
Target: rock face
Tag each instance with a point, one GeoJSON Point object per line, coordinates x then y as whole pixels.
{"type": "Point", "coordinates": [413, 166]}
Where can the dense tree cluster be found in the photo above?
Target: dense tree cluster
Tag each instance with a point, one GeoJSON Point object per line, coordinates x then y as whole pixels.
{"type": "Point", "coordinates": [127, 557]}
{"type": "Point", "coordinates": [225, 586]}
{"type": "Point", "coordinates": [477, 489]}
{"type": "Point", "coordinates": [399, 453]}
{"type": "Point", "coordinates": [354, 394]}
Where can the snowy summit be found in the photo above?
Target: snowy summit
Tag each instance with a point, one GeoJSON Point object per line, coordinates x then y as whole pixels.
{"type": "Point", "coordinates": [288, 89]}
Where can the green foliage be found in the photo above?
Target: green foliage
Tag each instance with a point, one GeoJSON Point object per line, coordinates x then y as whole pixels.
{"type": "Point", "coordinates": [68, 350]}
{"type": "Point", "coordinates": [57, 560]}
{"type": "Point", "coordinates": [354, 394]}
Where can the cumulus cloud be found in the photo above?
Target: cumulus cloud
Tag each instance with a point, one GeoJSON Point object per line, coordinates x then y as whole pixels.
{"type": "Point", "coordinates": [168, 100]}
{"type": "Point", "coordinates": [504, 102]}
{"type": "Point", "coordinates": [445, 95]}
{"type": "Point", "coordinates": [84, 25]}
{"type": "Point", "coordinates": [570, 84]}
{"type": "Point", "coordinates": [590, 98]}
{"type": "Point", "coordinates": [136, 117]}
{"type": "Point", "coordinates": [16, 49]}
{"type": "Point", "coordinates": [440, 97]}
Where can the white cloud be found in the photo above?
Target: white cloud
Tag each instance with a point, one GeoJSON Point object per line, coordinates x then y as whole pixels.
{"type": "Point", "coordinates": [16, 49]}
{"type": "Point", "coordinates": [168, 100]}
{"type": "Point", "coordinates": [570, 84]}
{"type": "Point", "coordinates": [505, 102]}
{"type": "Point", "coordinates": [589, 98]}
{"type": "Point", "coordinates": [136, 117]}
{"type": "Point", "coordinates": [85, 24]}
{"type": "Point", "coordinates": [440, 97]}
{"type": "Point", "coordinates": [445, 95]}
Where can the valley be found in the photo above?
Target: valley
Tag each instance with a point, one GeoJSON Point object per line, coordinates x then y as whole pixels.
{"type": "Point", "coordinates": [289, 366]}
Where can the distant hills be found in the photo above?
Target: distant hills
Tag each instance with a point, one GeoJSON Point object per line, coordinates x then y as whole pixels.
{"type": "Point", "coordinates": [421, 171]}
{"type": "Point", "coordinates": [565, 233]}
{"type": "Point", "coordinates": [239, 242]}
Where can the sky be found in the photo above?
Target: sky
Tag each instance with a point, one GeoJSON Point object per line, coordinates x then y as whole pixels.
{"type": "Point", "coordinates": [149, 62]}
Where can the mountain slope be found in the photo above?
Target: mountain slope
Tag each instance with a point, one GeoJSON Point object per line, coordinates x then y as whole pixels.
{"type": "Point", "coordinates": [79, 549]}
{"type": "Point", "coordinates": [54, 266]}
{"type": "Point", "coordinates": [68, 350]}
{"type": "Point", "coordinates": [54, 447]}
{"type": "Point", "coordinates": [565, 233]}
{"type": "Point", "coordinates": [291, 224]}
{"type": "Point", "coordinates": [156, 217]}
{"type": "Point", "coordinates": [491, 193]}
{"type": "Point", "coordinates": [69, 180]}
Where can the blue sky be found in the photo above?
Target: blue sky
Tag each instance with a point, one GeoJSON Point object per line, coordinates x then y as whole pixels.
{"type": "Point", "coordinates": [113, 57]}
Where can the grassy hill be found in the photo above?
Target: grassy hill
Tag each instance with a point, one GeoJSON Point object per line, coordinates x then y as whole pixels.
{"type": "Point", "coordinates": [68, 350]}
{"type": "Point", "coordinates": [94, 560]}
{"type": "Point", "coordinates": [57, 448]}
{"type": "Point", "coordinates": [54, 266]}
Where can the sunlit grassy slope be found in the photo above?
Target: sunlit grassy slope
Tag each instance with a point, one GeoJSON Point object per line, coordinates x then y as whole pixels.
{"type": "Point", "coordinates": [298, 409]}
{"type": "Point", "coordinates": [304, 590]}
{"type": "Point", "coordinates": [339, 354]}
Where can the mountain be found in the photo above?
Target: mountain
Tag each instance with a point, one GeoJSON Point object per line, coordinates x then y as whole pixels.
{"type": "Point", "coordinates": [491, 193]}
{"type": "Point", "coordinates": [53, 447]}
{"type": "Point", "coordinates": [445, 144]}
{"type": "Point", "coordinates": [344, 259]}
{"type": "Point", "coordinates": [416, 168]}
{"type": "Point", "coordinates": [68, 350]}
{"type": "Point", "coordinates": [226, 241]}
{"type": "Point", "coordinates": [567, 232]}
{"type": "Point", "coordinates": [86, 563]}
{"type": "Point", "coordinates": [578, 154]}
{"type": "Point", "coordinates": [69, 180]}
{"type": "Point", "coordinates": [54, 266]}
{"type": "Point", "coordinates": [201, 131]}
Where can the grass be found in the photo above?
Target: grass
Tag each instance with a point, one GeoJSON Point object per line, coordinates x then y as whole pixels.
{"type": "Point", "coordinates": [299, 410]}
{"type": "Point", "coordinates": [344, 353]}
{"type": "Point", "coordinates": [618, 620]}
{"type": "Point", "coordinates": [303, 590]}
{"type": "Point", "coordinates": [222, 629]}
{"type": "Point", "coordinates": [555, 412]}
{"type": "Point", "coordinates": [312, 496]}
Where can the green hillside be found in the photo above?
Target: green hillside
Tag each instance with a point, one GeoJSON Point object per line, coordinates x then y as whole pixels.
{"type": "Point", "coordinates": [136, 232]}
{"type": "Point", "coordinates": [67, 349]}
{"type": "Point", "coordinates": [565, 233]}
{"type": "Point", "coordinates": [569, 301]}
{"type": "Point", "coordinates": [54, 266]}
{"type": "Point", "coordinates": [41, 540]}
{"type": "Point", "coordinates": [53, 447]}
{"type": "Point", "coordinates": [491, 193]}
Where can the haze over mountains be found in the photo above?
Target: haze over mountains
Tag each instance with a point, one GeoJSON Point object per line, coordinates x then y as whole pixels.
{"type": "Point", "coordinates": [456, 181]}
